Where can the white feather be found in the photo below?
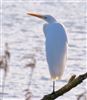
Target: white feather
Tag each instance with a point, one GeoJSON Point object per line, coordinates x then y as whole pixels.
{"type": "Point", "coordinates": [56, 49]}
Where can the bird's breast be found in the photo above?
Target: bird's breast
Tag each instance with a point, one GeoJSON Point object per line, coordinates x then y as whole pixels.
{"type": "Point", "coordinates": [56, 42]}
{"type": "Point", "coordinates": [55, 32]}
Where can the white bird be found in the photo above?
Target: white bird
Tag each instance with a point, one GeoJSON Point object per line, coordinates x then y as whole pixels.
{"type": "Point", "coordinates": [56, 46]}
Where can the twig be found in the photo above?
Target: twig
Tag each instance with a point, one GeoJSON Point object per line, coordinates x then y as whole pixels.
{"type": "Point", "coordinates": [30, 80]}
{"type": "Point", "coordinates": [3, 85]}
{"type": "Point", "coordinates": [71, 84]}
{"type": "Point", "coordinates": [31, 65]}
{"type": "Point", "coordinates": [4, 66]}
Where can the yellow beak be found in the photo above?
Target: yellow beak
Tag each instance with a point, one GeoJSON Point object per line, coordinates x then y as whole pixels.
{"type": "Point", "coordinates": [36, 15]}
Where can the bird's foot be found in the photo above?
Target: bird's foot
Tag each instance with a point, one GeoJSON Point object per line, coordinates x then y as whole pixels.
{"type": "Point", "coordinates": [53, 92]}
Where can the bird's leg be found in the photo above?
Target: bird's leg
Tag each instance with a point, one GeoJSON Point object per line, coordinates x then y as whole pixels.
{"type": "Point", "coordinates": [53, 86]}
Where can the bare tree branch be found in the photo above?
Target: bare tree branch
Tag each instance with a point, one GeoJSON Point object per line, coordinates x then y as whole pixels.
{"type": "Point", "coordinates": [73, 82]}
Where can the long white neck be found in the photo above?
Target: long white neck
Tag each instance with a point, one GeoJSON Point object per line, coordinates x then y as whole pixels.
{"type": "Point", "coordinates": [51, 21]}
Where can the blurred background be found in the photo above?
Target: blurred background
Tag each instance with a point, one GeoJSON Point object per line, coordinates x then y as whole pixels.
{"type": "Point", "coordinates": [25, 38]}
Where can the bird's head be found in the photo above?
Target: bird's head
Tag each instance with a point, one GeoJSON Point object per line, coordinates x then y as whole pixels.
{"type": "Point", "coordinates": [47, 18]}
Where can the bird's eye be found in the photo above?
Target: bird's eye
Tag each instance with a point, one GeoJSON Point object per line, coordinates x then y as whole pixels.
{"type": "Point", "coordinates": [45, 17]}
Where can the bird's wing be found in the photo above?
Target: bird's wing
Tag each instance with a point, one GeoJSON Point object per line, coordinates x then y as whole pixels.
{"type": "Point", "coordinates": [56, 48]}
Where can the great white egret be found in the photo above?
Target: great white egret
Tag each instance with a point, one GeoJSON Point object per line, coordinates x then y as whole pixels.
{"type": "Point", "coordinates": [56, 46]}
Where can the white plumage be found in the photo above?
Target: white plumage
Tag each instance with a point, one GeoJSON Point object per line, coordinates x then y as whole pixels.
{"type": "Point", "coordinates": [56, 46]}
{"type": "Point", "coordinates": [56, 49]}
